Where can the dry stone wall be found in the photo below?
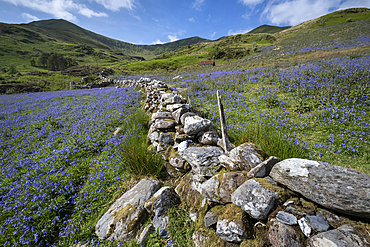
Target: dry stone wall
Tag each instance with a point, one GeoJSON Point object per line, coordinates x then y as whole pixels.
{"type": "Point", "coordinates": [237, 198]}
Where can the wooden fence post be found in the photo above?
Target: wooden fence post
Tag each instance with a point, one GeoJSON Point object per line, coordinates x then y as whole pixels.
{"type": "Point", "coordinates": [225, 139]}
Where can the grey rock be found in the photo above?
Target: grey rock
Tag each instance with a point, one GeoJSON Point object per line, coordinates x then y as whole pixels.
{"type": "Point", "coordinates": [232, 224]}
{"type": "Point", "coordinates": [167, 199]}
{"type": "Point", "coordinates": [144, 236]}
{"type": "Point", "coordinates": [178, 113]}
{"type": "Point", "coordinates": [170, 98]}
{"type": "Point", "coordinates": [334, 187]}
{"type": "Point", "coordinates": [230, 182]}
{"type": "Point", "coordinates": [161, 115]}
{"type": "Point", "coordinates": [210, 219]}
{"type": "Point", "coordinates": [162, 124]}
{"type": "Point", "coordinates": [271, 181]}
{"type": "Point", "coordinates": [209, 138]}
{"type": "Point", "coordinates": [149, 204]}
{"type": "Point", "coordinates": [203, 160]}
{"type": "Point", "coordinates": [294, 211]}
{"type": "Point", "coordinates": [125, 215]}
{"type": "Point", "coordinates": [344, 236]}
{"type": "Point", "coordinates": [177, 162]}
{"type": "Point", "coordinates": [195, 124]}
{"type": "Point", "coordinates": [263, 169]}
{"type": "Point", "coordinates": [153, 136]}
{"type": "Point", "coordinates": [185, 115]}
{"type": "Point", "coordinates": [305, 227]}
{"type": "Point", "coordinates": [165, 139]}
{"type": "Point", "coordinates": [161, 223]}
{"type": "Point", "coordinates": [209, 188]}
{"type": "Point", "coordinates": [254, 199]}
{"type": "Point", "coordinates": [174, 107]}
{"type": "Point", "coordinates": [286, 218]}
{"type": "Point", "coordinates": [281, 235]}
{"type": "Point", "coordinates": [243, 157]}
{"type": "Point", "coordinates": [317, 223]}
{"type": "Point", "coordinates": [182, 146]}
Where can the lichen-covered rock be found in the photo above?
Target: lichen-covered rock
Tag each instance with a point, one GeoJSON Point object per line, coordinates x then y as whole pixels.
{"type": "Point", "coordinates": [334, 187]}
{"type": "Point", "coordinates": [161, 115]}
{"type": "Point", "coordinates": [281, 235]}
{"type": "Point", "coordinates": [317, 223]}
{"type": "Point", "coordinates": [196, 124]}
{"type": "Point", "coordinates": [230, 182]}
{"type": "Point", "coordinates": [331, 218]}
{"type": "Point", "coordinates": [264, 168]}
{"type": "Point", "coordinates": [124, 216]}
{"type": "Point", "coordinates": [254, 199]}
{"type": "Point", "coordinates": [233, 224]}
{"type": "Point", "coordinates": [203, 160]}
{"type": "Point", "coordinates": [209, 188]}
{"type": "Point", "coordinates": [164, 124]}
{"type": "Point", "coordinates": [286, 218]}
{"type": "Point", "coordinates": [343, 236]}
{"type": "Point", "coordinates": [170, 98]}
{"type": "Point", "coordinates": [185, 115]}
{"type": "Point", "coordinates": [167, 199]}
{"type": "Point", "coordinates": [243, 157]}
{"type": "Point", "coordinates": [174, 107]}
{"type": "Point", "coordinates": [166, 139]}
{"type": "Point", "coordinates": [178, 113]}
{"type": "Point", "coordinates": [209, 138]}
{"type": "Point", "coordinates": [208, 237]}
{"type": "Point", "coordinates": [305, 227]}
{"type": "Point", "coordinates": [187, 189]}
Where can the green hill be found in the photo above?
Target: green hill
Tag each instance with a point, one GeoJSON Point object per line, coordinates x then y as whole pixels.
{"type": "Point", "coordinates": [268, 29]}
{"type": "Point", "coordinates": [23, 42]}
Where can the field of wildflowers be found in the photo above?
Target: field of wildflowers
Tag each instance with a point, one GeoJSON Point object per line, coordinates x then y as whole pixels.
{"type": "Point", "coordinates": [320, 108]}
{"type": "Point", "coordinates": [60, 163]}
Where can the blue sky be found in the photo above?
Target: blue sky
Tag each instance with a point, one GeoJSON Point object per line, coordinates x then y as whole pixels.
{"type": "Point", "coordinates": [162, 21]}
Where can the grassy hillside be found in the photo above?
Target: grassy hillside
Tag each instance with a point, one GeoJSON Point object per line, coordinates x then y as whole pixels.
{"type": "Point", "coordinates": [268, 29]}
{"type": "Point", "coordinates": [20, 43]}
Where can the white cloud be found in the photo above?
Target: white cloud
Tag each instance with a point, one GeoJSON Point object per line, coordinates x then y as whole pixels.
{"type": "Point", "coordinates": [116, 5]}
{"type": "Point", "coordinates": [212, 35]}
{"type": "Point", "coordinates": [172, 38]}
{"type": "Point", "coordinates": [197, 4]}
{"type": "Point", "coordinates": [294, 12]}
{"type": "Point", "coordinates": [355, 4]}
{"type": "Point", "coordinates": [29, 18]}
{"type": "Point", "coordinates": [192, 19]}
{"type": "Point", "coordinates": [231, 32]}
{"type": "Point", "coordinates": [246, 16]}
{"type": "Point", "coordinates": [157, 42]}
{"type": "Point", "coordinates": [58, 8]}
{"type": "Point", "coordinates": [250, 2]}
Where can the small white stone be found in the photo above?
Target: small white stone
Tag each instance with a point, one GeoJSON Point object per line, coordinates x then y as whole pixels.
{"type": "Point", "coordinates": [305, 228]}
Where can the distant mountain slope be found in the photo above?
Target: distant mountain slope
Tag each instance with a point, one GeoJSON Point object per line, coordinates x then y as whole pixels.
{"type": "Point", "coordinates": [69, 32]}
{"type": "Point", "coordinates": [268, 29]}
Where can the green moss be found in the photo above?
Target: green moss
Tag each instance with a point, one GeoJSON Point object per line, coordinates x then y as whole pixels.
{"type": "Point", "coordinates": [192, 198]}
{"type": "Point", "coordinates": [308, 205]}
{"type": "Point", "coordinates": [237, 215]}
{"type": "Point", "coordinates": [122, 215]}
{"type": "Point", "coordinates": [172, 171]}
{"type": "Point", "coordinates": [171, 153]}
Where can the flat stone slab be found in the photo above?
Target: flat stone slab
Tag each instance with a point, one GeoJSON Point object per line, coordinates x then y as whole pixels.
{"type": "Point", "coordinates": [196, 124]}
{"type": "Point", "coordinates": [334, 187]}
{"type": "Point", "coordinates": [124, 217]}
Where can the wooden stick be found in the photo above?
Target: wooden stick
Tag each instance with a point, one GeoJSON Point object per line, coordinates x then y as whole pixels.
{"type": "Point", "coordinates": [225, 139]}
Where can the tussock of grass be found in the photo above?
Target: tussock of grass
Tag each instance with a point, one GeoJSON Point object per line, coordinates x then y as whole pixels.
{"type": "Point", "coordinates": [138, 160]}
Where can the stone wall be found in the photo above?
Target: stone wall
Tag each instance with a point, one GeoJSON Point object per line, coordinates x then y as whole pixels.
{"type": "Point", "coordinates": [236, 198]}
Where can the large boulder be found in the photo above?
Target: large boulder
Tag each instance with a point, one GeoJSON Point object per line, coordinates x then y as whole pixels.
{"type": "Point", "coordinates": [203, 160]}
{"type": "Point", "coordinates": [124, 217]}
{"type": "Point", "coordinates": [163, 124]}
{"type": "Point", "coordinates": [254, 199]}
{"type": "Point", "coordinates": [334, 187]}
{"type": "Point", "coordinates": [341, 237]}
{"type": "Point", "coordinates": [243, 157]}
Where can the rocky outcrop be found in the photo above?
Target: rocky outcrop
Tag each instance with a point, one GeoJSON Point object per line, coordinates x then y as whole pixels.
{"type": "Point", "coordinates": [334, 187]}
